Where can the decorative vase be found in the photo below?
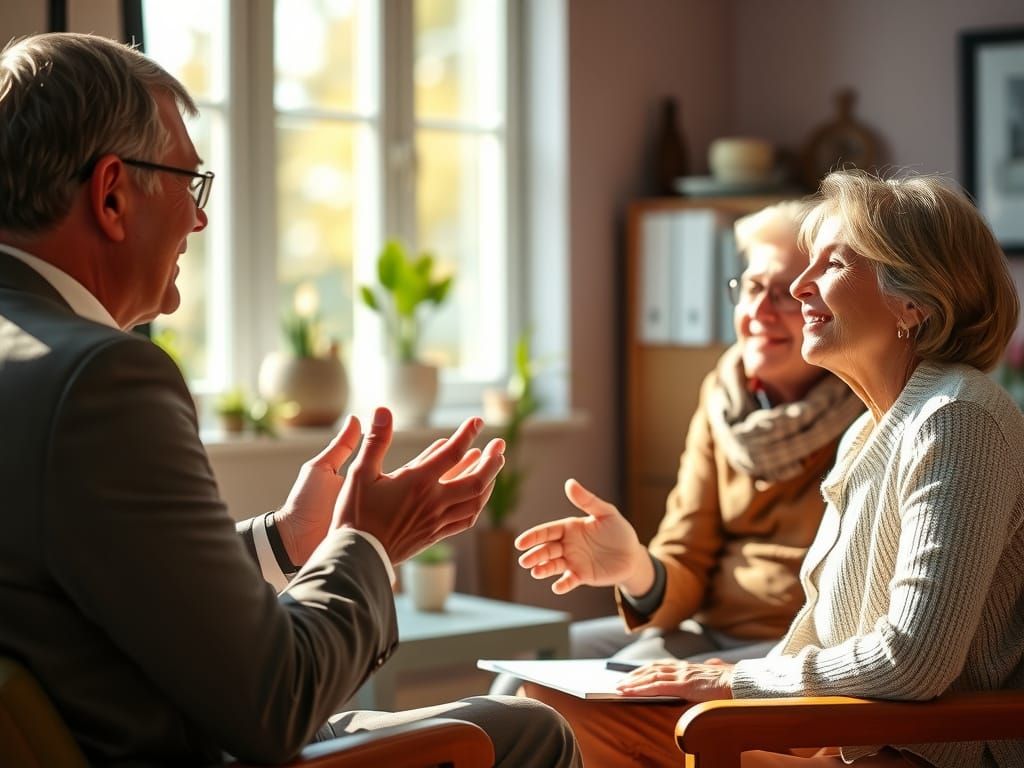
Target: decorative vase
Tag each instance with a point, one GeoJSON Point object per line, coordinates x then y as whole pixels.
{"type": "Point", "coordinates": [495, 556]}
{"type": "Point", "coordinates": [313, 390]}
{"type": "Point", "coordinates": [428, 584]}
{"type": "Point", "coordinates": [410, 390]}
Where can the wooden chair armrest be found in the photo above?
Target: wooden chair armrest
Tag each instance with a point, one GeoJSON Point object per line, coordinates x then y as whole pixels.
{"type": "Point", "coordinates": [432, 742]}
{"type": "Point", "coordinates": [716, 732]}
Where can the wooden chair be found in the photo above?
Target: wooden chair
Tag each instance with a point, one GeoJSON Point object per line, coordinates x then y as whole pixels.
{"type": "Point", "coordinates": [713, 734]}
{"type": "Point", "coordinates": [32, 735]}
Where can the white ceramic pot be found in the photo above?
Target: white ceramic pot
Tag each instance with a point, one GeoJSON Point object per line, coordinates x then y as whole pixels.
{"type": "Point", "coordinates": [740, 161]}
{"type": "Point", "coordinates": [313, 391]}
{"type": "Point", "coordinates": [410, 391]}
{"type": "Point", "coordinates": [428, 584]}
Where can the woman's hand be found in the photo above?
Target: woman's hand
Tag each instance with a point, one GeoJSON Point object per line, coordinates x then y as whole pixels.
{"type": "Point", "coordinates": [599, 549]}
{"type": "Point", "coordinates": [692, 682]}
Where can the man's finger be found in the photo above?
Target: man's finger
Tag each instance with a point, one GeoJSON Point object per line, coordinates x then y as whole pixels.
{"type": "Point", "coordinates": [464, 466]}
{"type": "Point", "coordinates": [341, 446]}
{"type": "Point", "coordinates": [370, 459]}
{"type": "Point", "coordinates": [455, 447]}
{"type": "Point", "coordinates": [426, 452]}
{"type": "Point", "coordinates": [468, 509]}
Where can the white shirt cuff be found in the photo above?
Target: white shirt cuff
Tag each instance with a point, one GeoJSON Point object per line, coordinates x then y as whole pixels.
{"type": "Point", "coordinates": [269, 567]}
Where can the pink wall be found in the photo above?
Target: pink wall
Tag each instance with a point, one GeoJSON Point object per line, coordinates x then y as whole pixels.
{"type": "Point", "coordinates": [624, 57]}
{"type": "Point", "coordinates": [901, 57]}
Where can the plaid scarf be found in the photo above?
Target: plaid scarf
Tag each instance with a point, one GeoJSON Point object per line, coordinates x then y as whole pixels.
{"type": "Point", "coordinates": [772, 443]}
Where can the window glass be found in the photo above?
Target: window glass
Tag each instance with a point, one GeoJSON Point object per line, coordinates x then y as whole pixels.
{"type": "Point", "coordinates": [459, 60]}
{"type": "Point", "coordinates": [322, 55]}
{"type": "Point", "coordinates": [319, 206]}
{"type": "Point", "coordinates": [457, 186]}
{"type": "Point", "coordinates": [189, 39]}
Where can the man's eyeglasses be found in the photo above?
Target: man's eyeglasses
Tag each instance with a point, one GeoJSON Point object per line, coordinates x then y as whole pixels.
{"type": "Point", "coordinates": [199, 186]}
{"type": "Point", "coordinates": [743, 291]}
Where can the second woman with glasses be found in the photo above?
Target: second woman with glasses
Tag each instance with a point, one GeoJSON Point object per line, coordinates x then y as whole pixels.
{"type": "Point", "coordinates": [720, 579]}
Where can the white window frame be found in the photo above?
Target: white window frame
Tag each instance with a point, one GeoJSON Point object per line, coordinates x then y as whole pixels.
{"type": "Point", "coordinates": [249, 300]}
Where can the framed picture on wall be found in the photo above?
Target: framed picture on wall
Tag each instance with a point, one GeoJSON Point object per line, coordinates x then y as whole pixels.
{"type": "Point", "coordinates": [992, 89]}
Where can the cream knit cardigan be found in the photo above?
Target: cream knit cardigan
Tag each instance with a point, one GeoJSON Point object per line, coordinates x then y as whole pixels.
{"type": "Point", "coordinates": [915, 581]}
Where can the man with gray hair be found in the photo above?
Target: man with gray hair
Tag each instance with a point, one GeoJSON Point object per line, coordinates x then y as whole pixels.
{"type": "Point", "coordinates": [163, 632]}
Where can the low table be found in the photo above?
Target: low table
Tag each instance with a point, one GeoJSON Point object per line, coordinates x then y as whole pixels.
{"type": "Point", "coordinates": [469, 628]}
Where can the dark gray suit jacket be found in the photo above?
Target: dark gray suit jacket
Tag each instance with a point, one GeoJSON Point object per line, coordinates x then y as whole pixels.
{"type": "Point", "coordinates": [124, 585]}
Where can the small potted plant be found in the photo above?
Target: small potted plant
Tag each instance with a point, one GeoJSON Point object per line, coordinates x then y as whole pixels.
{"type": "Point", "coordinates": [405, 287]}
{"type": "Point", "coordinates": [233, 409]}
{"type": "Point", "coordinates": [429, 577]}
{"type": "Point", "coordinates": [307, 382]}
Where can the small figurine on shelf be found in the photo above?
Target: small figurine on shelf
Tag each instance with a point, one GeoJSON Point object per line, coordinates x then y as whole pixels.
{"type": "Point", "coordinates": [670, 150]}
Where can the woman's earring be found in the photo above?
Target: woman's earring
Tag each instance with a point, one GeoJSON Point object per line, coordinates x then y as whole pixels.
{"type": "Point", "coordinates": [902, 332]}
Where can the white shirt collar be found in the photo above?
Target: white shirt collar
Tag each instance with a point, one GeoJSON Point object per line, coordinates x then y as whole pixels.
{"type": "Point", "coordinates": [82, 303]}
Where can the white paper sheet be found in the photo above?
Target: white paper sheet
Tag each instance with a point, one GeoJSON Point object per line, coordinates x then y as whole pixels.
{"type": "Point", "coordinates": [584, 678]}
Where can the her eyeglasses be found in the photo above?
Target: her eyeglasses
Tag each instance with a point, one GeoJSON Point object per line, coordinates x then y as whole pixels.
{"type": "Point", "coordinates": [744, 292]}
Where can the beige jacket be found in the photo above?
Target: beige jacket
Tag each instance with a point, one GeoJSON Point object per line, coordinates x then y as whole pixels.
{"type": "Point", "coordinates": [732, 545]}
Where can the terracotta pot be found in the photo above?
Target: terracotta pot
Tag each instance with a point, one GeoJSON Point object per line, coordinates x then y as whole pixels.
{"type": "Point", "coordinates": [410, 391]}
{"type": "Point", "coordinates": [428, 584]}
{"type": "Point", "coordinates": [232, 423]}
{"type": "Point", "coordinates": [312, 390]}
{"type": "Point", "coordinates": [495, 557]}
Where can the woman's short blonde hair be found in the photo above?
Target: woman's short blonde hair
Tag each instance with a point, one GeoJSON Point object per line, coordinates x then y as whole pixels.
{"type": "Point", "coordinates": [779, 223]}
{"type": "Point", "coordinates": [930, 246]}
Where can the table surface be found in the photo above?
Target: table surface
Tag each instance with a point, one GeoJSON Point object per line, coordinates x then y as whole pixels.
{"type": "Point", "coordinates": [468, 629]}
{"type": "Point", "coordinates": [468, 614]}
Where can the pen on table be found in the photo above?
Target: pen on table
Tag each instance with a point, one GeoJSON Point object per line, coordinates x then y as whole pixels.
{"type": "Point", "coordinates": [621, 666]}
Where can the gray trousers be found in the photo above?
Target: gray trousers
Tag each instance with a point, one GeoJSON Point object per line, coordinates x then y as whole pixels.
{"type": "Point", "coordinates": [525, 733]}
{"type": "Point", "coordinates": [607, 637]}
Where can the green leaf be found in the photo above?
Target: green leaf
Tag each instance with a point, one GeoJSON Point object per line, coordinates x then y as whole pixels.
{"type": "Point", "coordinates": [369, 298]}
{"type": "Point", "coordinates": [390, 263]}
{"type": "Point", "coordinates": [439, 291]}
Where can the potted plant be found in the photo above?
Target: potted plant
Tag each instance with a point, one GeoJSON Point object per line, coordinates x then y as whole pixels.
{"type": "Point", "coordinates": [306, 382]}
{"type": "Point", "coordinates": [429, 577]}
{"type": "Point", "coordinates": [232, 409]}
{"type": "Point", "coordinates": [495, 550]}
{"type": "Point", "coordinates": [405, 285]}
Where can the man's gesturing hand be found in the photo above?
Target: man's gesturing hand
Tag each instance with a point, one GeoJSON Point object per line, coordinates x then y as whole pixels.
{"type": "Point", "coordinates": [437, 494]}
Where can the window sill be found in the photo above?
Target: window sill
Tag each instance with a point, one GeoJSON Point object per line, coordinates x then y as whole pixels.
{"type": "Point", "coordinates": [311, 440]}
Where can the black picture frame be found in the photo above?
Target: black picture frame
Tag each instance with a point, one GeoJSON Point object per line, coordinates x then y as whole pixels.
{"type": "Point", "coordinates": [992, 129]}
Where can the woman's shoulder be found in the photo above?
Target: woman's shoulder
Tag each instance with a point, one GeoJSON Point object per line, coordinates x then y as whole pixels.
{"type": "Point", "coordinates": [962, 397]}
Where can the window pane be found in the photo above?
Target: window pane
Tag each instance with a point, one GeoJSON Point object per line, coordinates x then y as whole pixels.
{"type": "Point", "coordinates": [322, 166]}
{"type": "Point", "coordinates": [459, 204]}
{"type": "Point", "coordinates": [460, 54]}
{"type": "Point", "coordinates": [323, 54]}
{"type": "Point", "coordinates": [189, 39]}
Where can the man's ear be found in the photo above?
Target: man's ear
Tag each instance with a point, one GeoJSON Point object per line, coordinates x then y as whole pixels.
{"type": "Point", "coordinates": [109, 194]}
